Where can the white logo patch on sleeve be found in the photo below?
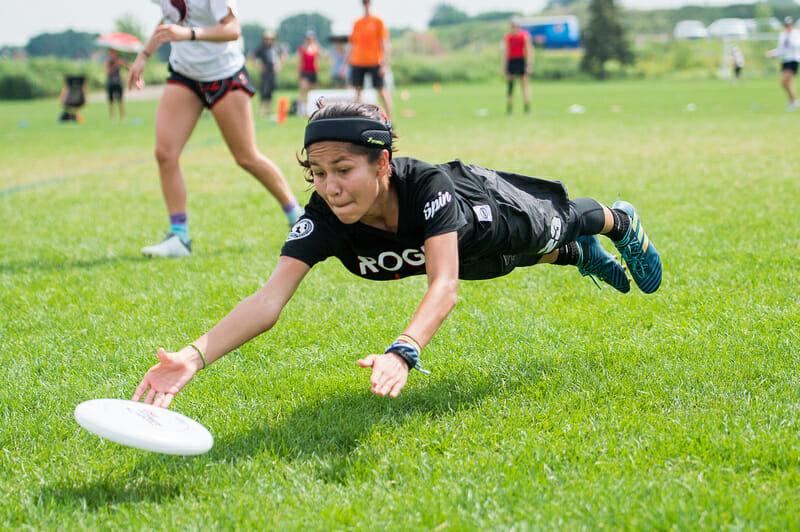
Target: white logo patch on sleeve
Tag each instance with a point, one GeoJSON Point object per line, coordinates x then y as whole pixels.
{"type": "Point", "coordinates": [301, 229]}
{"type": "Point", "coordinates": [483, 213]}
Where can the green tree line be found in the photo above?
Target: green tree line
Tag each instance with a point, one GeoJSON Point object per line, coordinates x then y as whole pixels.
{"type": "Point", "coordinates": [472, 47]}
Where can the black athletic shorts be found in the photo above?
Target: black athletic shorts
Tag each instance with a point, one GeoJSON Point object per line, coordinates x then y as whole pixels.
{"type": "Point", "coordinates": [791, 66]}
{"type": "Point", "coordinates": [532, 218]}
{"type": "Point", "coordinates": [357, 74]}
{"type": "Point", "coordinates": [516, 66]}
{"type": "Point", "coordinates": [210, 92]}
{"type": "Point", "coordinates": [310, 76]}
{"type": "Point", "coordinates": [114, 92]}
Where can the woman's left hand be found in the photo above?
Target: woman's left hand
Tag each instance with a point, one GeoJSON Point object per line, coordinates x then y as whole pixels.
{"type": "Point", "coordinates": [171, 32]}
{"type": "Point", "coordinates": [389, 373]}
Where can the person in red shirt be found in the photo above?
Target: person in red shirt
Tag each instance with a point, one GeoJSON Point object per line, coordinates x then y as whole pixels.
{"type": "Point", "coordinates": [369, 53]}
{"type": "Point", "coordinates": [518, 62]}
{"type": "Point", "coordinates": [307, 54]}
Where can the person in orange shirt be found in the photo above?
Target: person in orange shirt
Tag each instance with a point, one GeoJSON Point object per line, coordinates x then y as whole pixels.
{"type": "Point", "coordinates": [518, 61]}
{"type": "Point", "coordinates": [369, 53]}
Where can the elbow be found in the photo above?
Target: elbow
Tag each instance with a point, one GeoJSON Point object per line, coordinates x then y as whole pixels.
{"type": "Point", "coordinates": [451, 295]}
{"type": "Point", "coordinates": [233, 30]}
{"type": "Point", "coordinates": [268, 311]}
{"type": "Point", "coordinates": [234, 33]}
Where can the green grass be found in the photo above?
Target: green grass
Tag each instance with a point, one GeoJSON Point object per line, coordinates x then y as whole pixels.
{"type": "Point", "coordinates": [551, 404]}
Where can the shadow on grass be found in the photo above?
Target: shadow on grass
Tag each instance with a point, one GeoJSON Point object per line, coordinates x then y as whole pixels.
{"type": "Point", "coordinates": [325, 431]}
{"type": "Point", "coordinates": [52, 266]}
{"type": "Point", "coordinates": [336, 424]}
{"type": "Point", "coordinates": [100, 494]}
{"type": "Point", "coordinates": [44, 266]}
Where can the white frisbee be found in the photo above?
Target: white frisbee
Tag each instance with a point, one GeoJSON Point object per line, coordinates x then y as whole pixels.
{"type": "Point", "coordinates": [143, 426]}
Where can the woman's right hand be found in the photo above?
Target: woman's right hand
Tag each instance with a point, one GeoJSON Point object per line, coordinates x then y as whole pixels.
{"type": "Point", "coordinates": [163, 381]}
{"type": "Point", "coordinates": [135, 74]}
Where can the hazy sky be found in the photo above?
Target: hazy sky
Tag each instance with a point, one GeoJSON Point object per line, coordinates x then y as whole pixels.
{"type": "Point", "coordinates": [33, 17]}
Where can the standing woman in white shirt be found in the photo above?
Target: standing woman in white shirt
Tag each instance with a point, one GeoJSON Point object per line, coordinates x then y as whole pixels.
{"type": "Point", "coordinates": [206, 66]}
{"type": "Point", "coordinates": [789, 52]}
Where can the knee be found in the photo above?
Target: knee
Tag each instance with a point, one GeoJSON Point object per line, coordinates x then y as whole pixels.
{"type": "Point", "coordinates": [166, 156]}
{"type": "Point", "coordinates": [249, 161]}
{"type": "Point", "coordinates": [589, 214]}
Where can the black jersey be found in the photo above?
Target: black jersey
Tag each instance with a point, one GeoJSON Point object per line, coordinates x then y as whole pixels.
{"type": "Point", "coordinates": [497, 215]}
{"type": "Point", "coordinates": [268, 55]}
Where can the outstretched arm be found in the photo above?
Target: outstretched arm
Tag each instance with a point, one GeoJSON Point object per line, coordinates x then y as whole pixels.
{"type": "Point", "coordinates": [228, 29]}
{"type": "Point", "coordinates": [441, 263]}
{"type": "Point", "coordinates": [137, 68]}
{"type": "Point", "coordinates": [389, 371]}
{"type": "Point", "coordinates": [252, 317]}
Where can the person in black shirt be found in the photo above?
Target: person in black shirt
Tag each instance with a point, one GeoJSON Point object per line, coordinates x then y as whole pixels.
{"type": "Point", "coordinates": [269, 64]}
{"type": "Point", "coordinates": [387, 218]}
{"type": "Point", "coordinates": [113, 65]}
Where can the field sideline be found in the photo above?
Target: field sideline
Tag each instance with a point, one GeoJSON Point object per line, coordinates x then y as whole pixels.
{"type": "Point", "coordinates": [551, 404]}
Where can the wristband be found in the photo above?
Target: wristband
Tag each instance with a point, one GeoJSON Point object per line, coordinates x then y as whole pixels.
{"type": "Point", "coordinates": [408, 352]}
{"type": "Point", "coordinates": [202, 356]}
{"type": "Point", "coordinates": [194, 35]}
{"type": "Point", "coordinates": [145, 54]}
{"type": "Point", "coordinates": [406, 338]}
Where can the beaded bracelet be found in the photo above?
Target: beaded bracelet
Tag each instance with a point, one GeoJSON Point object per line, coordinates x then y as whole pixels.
{"type": "Point", "coordinates": [408, 352]}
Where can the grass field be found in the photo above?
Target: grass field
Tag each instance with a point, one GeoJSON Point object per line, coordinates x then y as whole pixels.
{"type": "Point", "coordinates": [551, 404]}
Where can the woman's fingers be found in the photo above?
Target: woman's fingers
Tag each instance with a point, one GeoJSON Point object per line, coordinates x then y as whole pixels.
{"type": "Point", "coordinates": [151, 394]}
{"type": "Point", "coordinates": [388, 376]}
{"type": "Point", "coordinates": [163, 400]}
{"type": "Point", "coordinates": [137, 394]}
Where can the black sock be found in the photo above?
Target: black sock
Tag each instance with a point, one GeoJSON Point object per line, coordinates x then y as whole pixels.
{"type": "Point", "coordinates": [568, 254]}
{"type": "Point", "coordinates": [621, 223]}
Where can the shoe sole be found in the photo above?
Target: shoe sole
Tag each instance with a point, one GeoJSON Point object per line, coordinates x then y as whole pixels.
{"type": "Point", "coordinates": [151, 251]}
{"type": "Point", "coordinates": [159, 256]}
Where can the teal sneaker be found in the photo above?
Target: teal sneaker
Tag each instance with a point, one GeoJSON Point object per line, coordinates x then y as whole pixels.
{"type": "Point", "coordinates": [294, 215]}
{"type": "Point", "coordinates": [595, 261]}
{"type": "Point", "coordinates": [639, 253]}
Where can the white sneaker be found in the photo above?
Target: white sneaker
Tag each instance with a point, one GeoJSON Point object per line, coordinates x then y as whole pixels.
{"type": "Point", "coordinates": [170, 247]}
{"type": "Point", "coordinates": [792, 106]}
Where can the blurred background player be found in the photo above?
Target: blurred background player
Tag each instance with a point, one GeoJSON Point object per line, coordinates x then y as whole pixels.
{"type": "Point", "coordinates": [339, 68]}
{"type": "Point", "coordinates": [207, 70]}
{"type": "Point", "coordinates": [113, 65]}
{"type": "Point", "coordinates": [369, 54]}
{"type": "Point", "coordinates": [72, 98]}
{"type": "Point", "coordinates": [788, 51]}
{"type": "Point", "coordinates": [268, 57]}
{"type": "Point", "coordinates": [738, 62]}
{"type": "Point", "coordinates": [307, 69]}
{"type": "Point", "coordinates": [518, 62]}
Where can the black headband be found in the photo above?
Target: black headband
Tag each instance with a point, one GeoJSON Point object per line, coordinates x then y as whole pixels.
{"type": "Point", "coordinates": [361, 131]}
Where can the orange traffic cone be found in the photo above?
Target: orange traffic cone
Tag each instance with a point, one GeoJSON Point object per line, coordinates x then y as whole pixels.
{"type": "Point", "coordinates": [283, 109]}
